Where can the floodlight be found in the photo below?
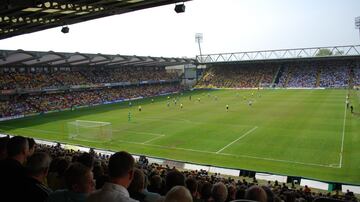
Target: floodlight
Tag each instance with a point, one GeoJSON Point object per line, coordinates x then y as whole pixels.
{"type": "Point", "coordinates": [357, 22]}
{"type": "Point", "coordinates": [199, 39]}
{"type": "Point", "coordinates": [180, 8]}
{"type": "Point", "coordinates": [65, 29]}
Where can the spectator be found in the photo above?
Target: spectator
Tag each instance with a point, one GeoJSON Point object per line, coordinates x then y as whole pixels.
{"type": "Point", "coordinates": [155, 184]}
{"type": "Point", "coordinates": [178, 194]}
{"type": "Point", "coordinates": [192, 186]}
{"type": "Point", "coordinates": [206, 191]}
{"type": "Point", "coordinates": [99, 175]}
{"type": "Point", "coordinates": [269, 194]}
{"type": "Point", "coordinates": [256, 193]}
{"type": "Point", "coordinates": [137, 188]}
{"type": "Point", "coordinates": [86, 159]}
{"type": "Point", "coordinates": [12, 170]}
{"type": "Point", "coordinates": [219, 192]}
{"type": "Point", "coordinates": [121, 171]}
{"type": "Point", "coordinates": [150, 196]}
{"type": "Point", "coordinates": [3, 145]}
{"type": "Point", "coordinates": [231, 193]}
{"type": "Point", "coordinates": [174, 178]}
{"type": "Point", "coordinates": [137, 185]}
{"type": "Point", "coordinates": [56, 178]}
{"type": "Point", "coordinates": [37, 168]}
{"type": "Point", "coordinates": [32, 143]}
{"type": "Point", "coordinates": [79, 182]}
{"type": "Point", "coordinates": [307, 189]}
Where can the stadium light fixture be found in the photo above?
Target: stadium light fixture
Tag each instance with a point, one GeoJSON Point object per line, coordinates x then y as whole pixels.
{"type": "Point", "coordinates": [65, 29]}
{"type": "Point", "coordinates": [180, 8]}
{"type": "Point", "coordinates": [357, 24]}
{"type": "Point", "coordinates": [199, 39]}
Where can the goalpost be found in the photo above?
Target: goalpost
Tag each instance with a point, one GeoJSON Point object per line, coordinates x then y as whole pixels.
{"type": "Point", "coordinates": [90, 130]}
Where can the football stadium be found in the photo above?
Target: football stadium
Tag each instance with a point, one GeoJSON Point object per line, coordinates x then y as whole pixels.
{"type": "Point", "coordinates": [267, 125]}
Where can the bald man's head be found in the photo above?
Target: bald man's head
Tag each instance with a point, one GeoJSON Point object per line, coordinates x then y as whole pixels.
{"type": "Point", "coordinates": [178, 194]}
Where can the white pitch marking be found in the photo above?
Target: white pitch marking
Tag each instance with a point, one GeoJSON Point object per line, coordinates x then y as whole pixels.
{"type": "Point", "coordinates": [342, 138]}
{"type": "Point", "coordinates": [234, 155]}
{"type": "Point", "coordinates": [139, 132]}
{"type": "Point", "coordinates": [152, 139]}
{"type": "Point", "coordinates": [247, 133]}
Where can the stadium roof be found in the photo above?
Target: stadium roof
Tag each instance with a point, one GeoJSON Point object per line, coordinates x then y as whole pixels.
{"type": "Point", "coordinates": [283, 55]}
{"type": "Point", "coordinates": [25, 16]}
{"type": "Point", "coordinates": [21, 58]}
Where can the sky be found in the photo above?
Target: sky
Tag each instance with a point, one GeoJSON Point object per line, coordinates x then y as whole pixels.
{"type": "Point", "coordinates": [227, 26]}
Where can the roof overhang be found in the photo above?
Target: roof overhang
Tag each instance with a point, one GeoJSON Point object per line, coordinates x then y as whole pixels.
{"type": "Point", "coordinates": [26, 16]}
{"type": "Point", "coordinates": [21, 58]}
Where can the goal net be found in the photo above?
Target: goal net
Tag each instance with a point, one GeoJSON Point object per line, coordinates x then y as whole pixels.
{"type": "Point", "coordinates": [90, 130]}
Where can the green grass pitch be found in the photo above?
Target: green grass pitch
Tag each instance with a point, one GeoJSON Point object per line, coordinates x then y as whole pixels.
{"type": "Point", "coordinates": [305, 133]}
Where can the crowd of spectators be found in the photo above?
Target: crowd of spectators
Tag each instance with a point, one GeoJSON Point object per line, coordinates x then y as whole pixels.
{"type": "Point", "coordinates": [32, 80]}
{"type": "Point", "coordinates": [34, 172]}
{"type": "Point", "coordinates": [238, 77]}
{"type": "Point", "coordinates": [268, 76]}
{"type": "Point", "coordinates": [57, 101]}
{"type": "Point", "coordinates": [307, 76]}
{"type": "Point", "coordinates": [334, 76]}
{"type": "Point", "coordinates": [299, 76]}
{"type": "Point", "coordinates": [14, 108]}
{"type": "Point", "coordinates": [128, 75]}
{"type": "Point", "coordinates": [283, 78]}
{"type": "Point", "coordinates": [7, 82]}
{"type": "Point", "coordinates": [70, 78]}
{"type": "Point", "coordinates": [356, 76]}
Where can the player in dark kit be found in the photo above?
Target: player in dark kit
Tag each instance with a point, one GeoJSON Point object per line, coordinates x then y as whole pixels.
{"type": "Point", "coordinates": [351, 109]}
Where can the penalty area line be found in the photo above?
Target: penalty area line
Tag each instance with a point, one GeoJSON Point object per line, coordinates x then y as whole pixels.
{"type": "Point", "coordinates": [139, 132]}
{"type": "Point", "coordinates": [152, 139]}
{"type": "Point", "coordinates": [228, 145]}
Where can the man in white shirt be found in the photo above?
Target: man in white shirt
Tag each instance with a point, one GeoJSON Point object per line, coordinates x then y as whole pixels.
{"type": "Point", "coordinates": [121, 172]}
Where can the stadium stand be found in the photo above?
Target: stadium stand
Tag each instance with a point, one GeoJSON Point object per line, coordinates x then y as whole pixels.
{"type": "Point", "coordinates": [335, 77]}
{"type": "Point", "coordinates": [238, 77]}
{"type": "Point", "coordinates": [290, 76]}
{"type": "Point", "coordinates": [83, 88]}
{"type": "Point", "coordinates": [357, 76]}
{"type": "Point", "coordinates": [27, 104]}
{"type": "Point", "coordinates": [36, 80]}
{"type": "Point", "coordinates": [202, 185]}
{"type": "Point", "coordinates": [304, 77]}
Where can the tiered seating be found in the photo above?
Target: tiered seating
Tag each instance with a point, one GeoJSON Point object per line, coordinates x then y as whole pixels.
{"type": "Point", "coordinates": [357, 76]}
{"type": "Point", "coordinates": [334, 77]}
{"type": "Point", "coordinates": [303, 77]}
{"type": "Point", "coordinates": [25, 80]}
{"type": "Point", "coordinates": [48, 102]}
{"type": "Point", "coordinates": [292, 76]}
{"type": "Point", "coordinates": [237, 77]}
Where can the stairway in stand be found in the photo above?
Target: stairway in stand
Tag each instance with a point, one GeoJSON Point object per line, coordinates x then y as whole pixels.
{"type": "Point", "coordinates": [318, 76]}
